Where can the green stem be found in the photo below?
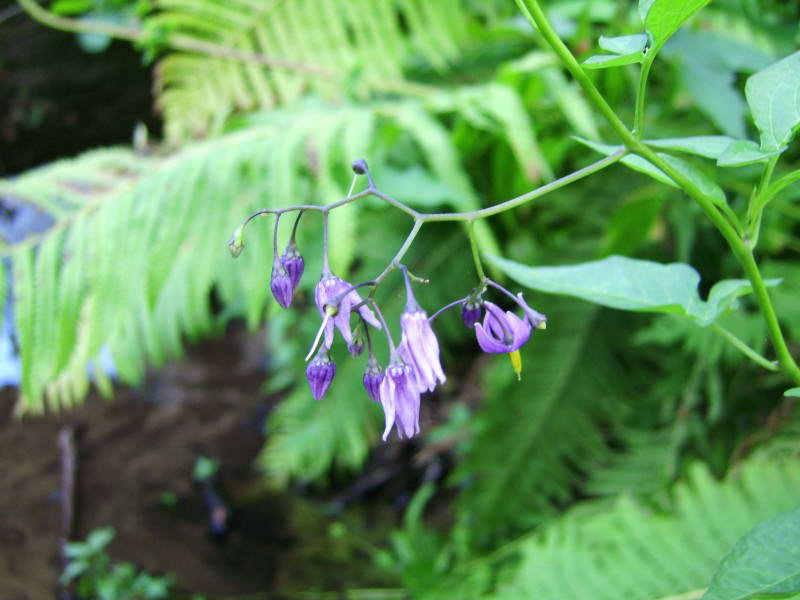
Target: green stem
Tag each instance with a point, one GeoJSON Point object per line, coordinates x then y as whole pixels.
{"type": "Point", "coordinates": [776, 187]}
{"type": "Point", "coordinates": [638, 118]}
{"type": "Point", "coordinates": [745, 349]}
{"type": "Point", "coordinates": [473, 243]}
{"type": "Point", "coordinates": [531, 9]}
{"type": "Point", "coordinates": [742, 252]}
{"type": "Point", "coordinates": [528, 196]}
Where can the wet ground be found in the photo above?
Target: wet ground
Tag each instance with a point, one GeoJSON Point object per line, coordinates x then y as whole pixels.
{"type": "Point", "coordinates": [135, 456]}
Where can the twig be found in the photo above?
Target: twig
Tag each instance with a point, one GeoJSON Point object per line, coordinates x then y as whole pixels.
{"type": "Point", "coordinates": [66, 445]}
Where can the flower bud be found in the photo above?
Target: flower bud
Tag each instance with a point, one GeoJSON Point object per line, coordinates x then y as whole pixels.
{"type": "Point", "coordinates": [471, 312]}
{"type": "Point", "coordinates": [236, 243]}
{"type": "Point", "coordinates": [359, 166]}
{"type": "Point", "coordinates": [373, 377]}
{"type": "Point", "coordinates": [320, 372]}
{"type": "Point", "coordinates": [293, 263]}
{"type": "Point", "coordinates": [281, 285]}
{"type": "Point", "coordinates": [356, 347]}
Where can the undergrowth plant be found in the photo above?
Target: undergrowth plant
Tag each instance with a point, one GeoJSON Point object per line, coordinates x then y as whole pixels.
{"type": "Point", "coordinates": [566, 480]}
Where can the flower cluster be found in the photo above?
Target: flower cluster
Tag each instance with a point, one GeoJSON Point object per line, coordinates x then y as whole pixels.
{"type": "Point", "coordinates": [414, 365]}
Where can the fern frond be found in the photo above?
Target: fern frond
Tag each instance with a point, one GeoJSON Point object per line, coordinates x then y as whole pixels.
{"type": "Point", "coordinates": [544, 430]}
{"type": "Point", "coordinates": [631, 551]}
{"type": "Point", "coordinates": [329, 47]}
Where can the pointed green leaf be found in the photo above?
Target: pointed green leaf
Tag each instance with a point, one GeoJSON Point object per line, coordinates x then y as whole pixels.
{"type": "Point", "coordinates": [706, 185]}
{"type": "Point", "coordinates": [606, 61]}
{"type": "Point", "coordinates": [637, 163]}
{"type": "Point", "coordinates": [743, 152]}
{"type": "Point", "coordinates": [793, 392]}
{"type": "Point", "coordinates": [774, 98]}
{"type": "Point", "coordinates": [631, 284]}
{"type": "Point", "coordinates": [708, 146]}
{"type": "Point", "coordinates": [765, 561]}
{"type": "Point", "coordinates": [623, 44]}
{"type": "Point", "coordinates": [662, 18]}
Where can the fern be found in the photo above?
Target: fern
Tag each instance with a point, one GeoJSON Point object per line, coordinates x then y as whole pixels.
{"type": "Point", "coordinates": [630, 551]}
{"type": "Point", "coordinates": [533, 438]}
{"type": "Point", "coordinates": [280, 50]}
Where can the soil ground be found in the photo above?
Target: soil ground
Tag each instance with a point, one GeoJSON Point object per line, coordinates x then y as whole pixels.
{"type": "Point", "coordinates": [131, 451]}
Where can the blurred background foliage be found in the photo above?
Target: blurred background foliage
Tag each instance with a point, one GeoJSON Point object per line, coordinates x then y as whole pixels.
{"type": "Point", "coordinates": [635, 450]}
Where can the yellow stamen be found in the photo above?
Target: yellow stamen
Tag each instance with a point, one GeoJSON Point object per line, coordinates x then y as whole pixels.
{"type": "Point", "coordinates": [516, 363]}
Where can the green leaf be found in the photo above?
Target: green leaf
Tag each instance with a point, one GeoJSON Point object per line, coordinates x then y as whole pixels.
{"type": "Point", "coordinates": [605, 61]}
{"type": "Point", "coordinates": [793, 392]}
{"type": "Point", "coordinates": [637, 163]}
{"type": "Point", "coordinates": [765, 561]}
{"type": "Point", "coordinates": [774, 98]}
{"type": "Point", "coordinates": [623, 44]}
{"type": "Point", "coordinates": [741, 153]}
{"type": "Point", "coordinates": [706, 185]}
{"type": "Point", "coordinates": [631, 284]}
{"type": "Point", "coordinates": [662, 18]}
{"type": "Point", "coordinates": [626, 50]}
{"type": "Point", "coordinates": [708, 146]}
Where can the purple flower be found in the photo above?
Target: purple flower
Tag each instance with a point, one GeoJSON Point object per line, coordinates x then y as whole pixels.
{"type": "Point", "coordinates": [281, 285]}
{"type": "Point", "coordinates": [373, 377]}
{"type": "Point", "coordinates": [293, 263]}
{"type": "Point", "coordinates": [502, 331]}
{"type": "Point", "coordinates": [471, 312]}
{"type": "Point", "coordinates": [400, 400]}
{"type": "Point", "coordinates": [420, 349]}
{"type": "Point", "coordinates": [320, 373]}
{"type": "Point", "coordinates": [328, 291]}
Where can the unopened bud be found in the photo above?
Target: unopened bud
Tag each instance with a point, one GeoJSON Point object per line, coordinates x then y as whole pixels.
{"type": "Point", "coordinates": [293, 263]}
{"type": "Point", "coordinates": [281, 285]}
{"type": "Point", "coordinates": [356, 347]}
{"type": "Point", "coordinates": [359, 166]}
{"type": "Point", "coordinates": [373, 377]}
{"type": "Point", "coordinates": [236, 243]}
{"type": "Point", "coordinates": [320, 372]}
{"type": "Point", "coordinates": [471, 312]}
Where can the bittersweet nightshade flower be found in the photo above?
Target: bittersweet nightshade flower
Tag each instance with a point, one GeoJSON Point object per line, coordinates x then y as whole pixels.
{"type": "Point", "coordinates": [281, 285]}
{"type": "Point", "coordinates": [320, 373]}
{"type": "Point", "coordinates": [501, 331]}
{"type": "Point", "coordinates": [400, 400]}
{"type": "Point", "coordinates": [471, 312]}
{"type": "Point", "coordinates": [327, 294]}
{"type": "Point", "coordinates": [293, 263]}
{"type": "Point", "coordinates": [419, 347]}
{"type": "Point", "coordinates": [373, 377]}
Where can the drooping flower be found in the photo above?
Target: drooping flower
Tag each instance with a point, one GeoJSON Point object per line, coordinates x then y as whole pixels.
{"type": "Point", "coordinates": [281, 284]}
{"type": "Point", "coordinates": [320, 373]}
{"type": "Point", "coordinates": [419, 347]}
{"type": "Point", "coordinates": [293, 263]}
{"type": "Point", "coordinates": [399, 397]}
{"type": "Point", "coordinates": [373, 377]}
{"type": "Point", "coordinates": [502, 331]}
{"type": "Point", "coordinates": [327, 294]}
